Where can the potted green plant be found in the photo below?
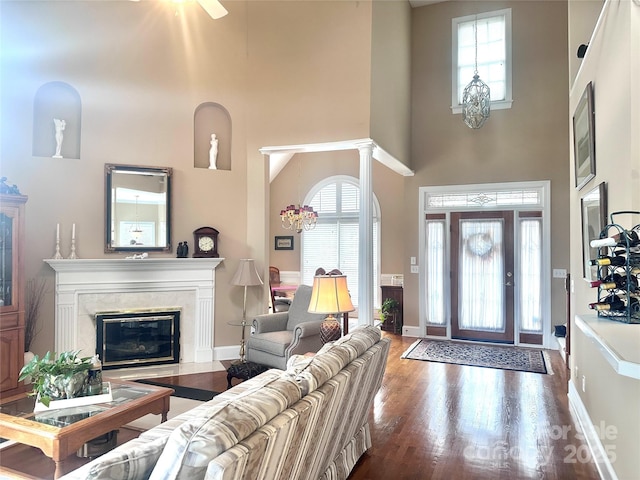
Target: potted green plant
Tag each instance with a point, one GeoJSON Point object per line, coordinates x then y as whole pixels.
{"type": "Point", "coordinates": [388, 311]}
{"type": "Point", "coordinates": [57, 378]}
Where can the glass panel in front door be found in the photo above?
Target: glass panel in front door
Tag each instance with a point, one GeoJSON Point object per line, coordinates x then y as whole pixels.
{"type": "Point", "coordinates": [480, 276]}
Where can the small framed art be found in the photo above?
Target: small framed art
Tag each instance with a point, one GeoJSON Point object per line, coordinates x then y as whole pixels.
{"type": "Point", "coordinates": [584, 140]}
{"type": "Point", "coordinates": [594, 219]}
{"type": "Point", "coordinates": [284, 243]}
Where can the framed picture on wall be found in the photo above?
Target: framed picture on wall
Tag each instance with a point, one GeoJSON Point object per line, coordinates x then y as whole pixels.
{"type": "Point", "coordinates": [594, 219]}
{"type": "Point", "coordinates": [584, 140]}
{"type": "Point", "coordinates": [284, 243]}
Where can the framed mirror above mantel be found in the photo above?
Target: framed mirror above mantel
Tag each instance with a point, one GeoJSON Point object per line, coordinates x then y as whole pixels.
{"type": "Point", "coordinates": [137, 208]}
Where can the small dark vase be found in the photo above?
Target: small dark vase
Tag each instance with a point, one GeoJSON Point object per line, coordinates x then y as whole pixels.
{"type": "Point", "coordinates": [183, 250]}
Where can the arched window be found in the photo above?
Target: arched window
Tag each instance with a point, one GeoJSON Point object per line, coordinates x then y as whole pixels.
{"type": "Point", "coordinates": [334, 243]}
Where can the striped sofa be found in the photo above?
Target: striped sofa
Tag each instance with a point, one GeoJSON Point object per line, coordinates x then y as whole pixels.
{"type": "Point", "coordinates": [307, 422]}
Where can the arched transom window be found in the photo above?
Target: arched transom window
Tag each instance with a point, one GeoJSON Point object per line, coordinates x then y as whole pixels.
{"type": "Point", "coordinates": [334, 243]}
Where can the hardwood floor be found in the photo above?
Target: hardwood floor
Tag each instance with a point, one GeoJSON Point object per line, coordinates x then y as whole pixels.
{"type": "Point", "coordinates": [440, 421]}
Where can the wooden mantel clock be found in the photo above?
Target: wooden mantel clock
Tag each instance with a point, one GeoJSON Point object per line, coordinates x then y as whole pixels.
{"type": "Point", "coordinates": [205, 240]}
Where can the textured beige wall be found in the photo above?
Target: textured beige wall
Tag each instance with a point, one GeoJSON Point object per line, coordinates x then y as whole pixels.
{"type": "Point", "coordinates": [583, 16]}
{"type": "Point", "coordinates": [287, 72]}
{"type": "Point", "coordinates": [524, 143]}
{"type": "Point", "coordinates": [391, 78]}
{"type": "Point", "coordinates": [309, 73]}
{"type": "Point", "coordinates": [616, 129]}
{"type": "Point", "coordinates": [612, 64]}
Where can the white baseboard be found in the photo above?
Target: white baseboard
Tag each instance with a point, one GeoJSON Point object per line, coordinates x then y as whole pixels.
{"type": "Point", "coordinates": [288, 277]}
{"type": "Point", "coordinates": [229, 352]}
{"type": "Point", "coordinates": [562, 347]}
{"type": "Point", "coordinates": [598, 451]}
{"type": "Point", "coordinates": [410, 331]}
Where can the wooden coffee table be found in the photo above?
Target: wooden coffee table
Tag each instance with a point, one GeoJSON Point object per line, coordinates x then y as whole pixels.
{"type": "Point", "coordinates": [60, 433]}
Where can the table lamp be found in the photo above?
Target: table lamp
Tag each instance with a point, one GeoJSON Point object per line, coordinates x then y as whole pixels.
{"type": "Point", "coordinates": [330, 295]}
{"type": "Point", "coordinates": [245, 276]}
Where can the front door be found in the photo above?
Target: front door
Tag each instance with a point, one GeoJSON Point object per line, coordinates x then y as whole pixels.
{"type": "Point", "coordinates": [482, 269]}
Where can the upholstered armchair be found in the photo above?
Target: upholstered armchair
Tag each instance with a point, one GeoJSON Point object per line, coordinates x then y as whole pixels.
{"type": "Point", "coordinates": [277, 336]}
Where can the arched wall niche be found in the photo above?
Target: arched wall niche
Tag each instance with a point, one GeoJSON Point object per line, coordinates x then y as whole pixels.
{"type": "Point", "coordinates": [56, 100]}
{"type": "Point", "coordinates": [211, 118]}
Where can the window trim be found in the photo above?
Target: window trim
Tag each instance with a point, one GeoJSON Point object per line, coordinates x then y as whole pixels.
{"type": "Point", "coordinates": [334, 219]}
{"type": "Point", "coordinates": [456, 107]}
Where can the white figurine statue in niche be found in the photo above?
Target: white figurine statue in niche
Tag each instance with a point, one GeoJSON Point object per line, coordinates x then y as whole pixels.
{"type": "Point", "coordinates": [60, 126]}
{"type": "Point", "coordinates": [213, 152]}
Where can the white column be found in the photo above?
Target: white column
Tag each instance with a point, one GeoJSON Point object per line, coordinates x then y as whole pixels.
{"type": "Point", "coordinates": [365, 257]}
{"type": "Point", "coordinates": [66, 332]}
{"type": "Point", "coordinates": [203, 340]}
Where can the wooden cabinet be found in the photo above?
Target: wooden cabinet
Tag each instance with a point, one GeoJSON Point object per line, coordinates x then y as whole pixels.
{"type": "Point", "coordinates": [394, 292]}
{"type": "Point", "coordinates": [11, 290]}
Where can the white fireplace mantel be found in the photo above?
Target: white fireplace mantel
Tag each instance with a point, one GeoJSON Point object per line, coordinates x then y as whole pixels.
{"type": "Point", "coordinates": [75, 278]}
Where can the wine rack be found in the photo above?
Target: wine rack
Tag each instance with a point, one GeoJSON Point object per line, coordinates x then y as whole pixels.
{"type": "Point", "coordinates": [622, 246]}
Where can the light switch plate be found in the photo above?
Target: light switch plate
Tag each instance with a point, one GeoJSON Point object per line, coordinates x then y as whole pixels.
{"type": "Point", "coordinates": [414, 269]}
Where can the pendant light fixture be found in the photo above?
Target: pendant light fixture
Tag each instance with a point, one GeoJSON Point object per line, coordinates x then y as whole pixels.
{"type": "Point", "coordinates": [297, 217]}
{"type": "Point", "coordinates": [476, 99]}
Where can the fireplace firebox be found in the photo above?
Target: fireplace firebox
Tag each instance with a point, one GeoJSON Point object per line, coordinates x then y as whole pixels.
{"type": "Point", "coordinates": [135, 338]}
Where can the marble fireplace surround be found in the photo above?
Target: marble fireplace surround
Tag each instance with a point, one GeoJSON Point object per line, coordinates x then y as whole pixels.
{"type": "Point", "coordinates": [87, 286]}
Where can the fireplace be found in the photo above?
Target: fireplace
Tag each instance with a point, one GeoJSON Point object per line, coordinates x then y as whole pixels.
{"type": "Point", "coordinates": [134, 338]}
{"type": "Point", "coordinates": [86, 286]}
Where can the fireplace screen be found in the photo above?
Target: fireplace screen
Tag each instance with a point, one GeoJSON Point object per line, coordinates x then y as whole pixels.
{"type": "Point", "coordinates": [138, 338]}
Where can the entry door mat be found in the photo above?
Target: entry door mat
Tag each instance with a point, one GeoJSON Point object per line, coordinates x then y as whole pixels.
{"type": "Point", "coordinates": [474, 355]}
{"type": "Point", "coordinates": [183, 392]}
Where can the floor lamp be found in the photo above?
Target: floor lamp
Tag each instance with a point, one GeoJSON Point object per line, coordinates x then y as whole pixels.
{"type": "Point", "coordinates": [330, 295]}
{"type": "Point", "coordinates": [245, 276]}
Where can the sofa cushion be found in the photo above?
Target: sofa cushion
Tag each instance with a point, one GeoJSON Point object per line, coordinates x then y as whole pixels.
{"type": "Point", "coordinates": [133, 460]}
{"type": "Point", "coordinates": [360, 339]}
{"type": "Point", "coordinates": [313, 372]}
{"type": "Point", "coordinates": [197, 441]}
{"type": "Point", "coordinates": [274, 343]}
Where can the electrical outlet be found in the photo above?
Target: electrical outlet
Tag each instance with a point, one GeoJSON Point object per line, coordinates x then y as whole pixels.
{"type": "Point", "coordinates": [414, 269]}
{"type": "Point", "coordinates": [559, 273]}
{"type": "Point", "coordinates": [584, 383]}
